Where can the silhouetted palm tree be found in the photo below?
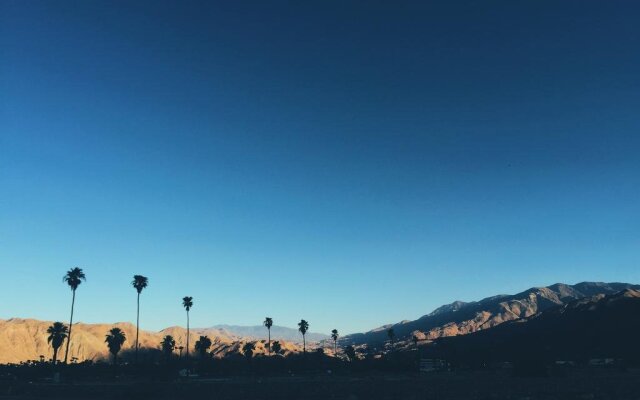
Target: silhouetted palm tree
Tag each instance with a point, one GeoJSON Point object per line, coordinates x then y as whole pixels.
{"type": "Point", "coordinates": [180, 348]}
{"type": "Point", "coordinates": [139, 282]}
{"type": "Point", "coordinates": [303, 327]}
{"type": "Point", "coordinates": [187, 303]}
{"type": "Point", "coordinates": [73, 278]}
{"type": "Point", "coordinates": [268, 322]}
{"type": "Point", "coordinates": [334, 336]}
{"type": "Point", "coordinates": [168, 344]}
{"type": "Point", "coordinates": [203, 345]}
{"type": "Point", "coordinates": [391, 334]}
{"type": "Point", "coordinates": [277, 347]}
{"type": "Point", "coordinates": [248, 349]}
{"type": "Point", "coordinates": [57, 334]}
{"type": "Point", "coordinates": [350, 351]}
{"type": "Point", "coordinates": [115, 339]}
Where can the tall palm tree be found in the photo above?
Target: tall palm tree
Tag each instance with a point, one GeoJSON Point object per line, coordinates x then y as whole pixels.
{"type": "Point", "coordinates": [167, 345]}
{"type": "Point", "coordinates": [187, 303]}
{"type": "Point", "coordinates": [303, 327]}
{"type": "Point", "coordinates": [202, 345]}
{"type": "Point", "coordinates": [334, 336]}
{"type": "Point", "coordinates": [115, 339]}
{"type": "Point", "coordinates": [73, 278]}
{"type": "Point", "coordinates": [268, 322]}
{"type": "Point", "coordinates": [57, 334]}
{"type": "Point", "coordinates": [139, 282]}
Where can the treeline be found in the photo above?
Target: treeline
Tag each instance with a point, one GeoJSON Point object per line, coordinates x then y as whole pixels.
{"type": "Point", "coordinates": [58, 333]}
{"type": "Point", "coordinates": [151, 367]}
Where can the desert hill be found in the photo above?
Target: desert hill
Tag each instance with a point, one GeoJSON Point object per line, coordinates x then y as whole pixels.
{"type": "Point", "coordinates": [26, 339]}
{"type": "Point", "coordinates": [600, 326]}
{"type": "Point", "coordinates": [461, 318]}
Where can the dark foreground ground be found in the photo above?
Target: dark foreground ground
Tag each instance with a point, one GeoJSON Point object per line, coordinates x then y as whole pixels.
{"type": "Point", "coordinates": [583, 385]}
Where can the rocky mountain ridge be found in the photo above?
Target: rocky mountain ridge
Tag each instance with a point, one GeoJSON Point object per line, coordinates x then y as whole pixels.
{"type": "Point", "coordinates": [596, 327]}
{"type": "Point", "coordinates": [461, 318]}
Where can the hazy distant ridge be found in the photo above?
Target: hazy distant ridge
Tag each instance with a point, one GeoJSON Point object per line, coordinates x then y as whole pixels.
{"type": "Point", "coordinates": [260, 332]}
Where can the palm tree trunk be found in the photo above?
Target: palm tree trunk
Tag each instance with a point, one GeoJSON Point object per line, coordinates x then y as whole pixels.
{"type": "Point", "coordinates": [137, 327]}
{"type": "Point", "coordinates": [73, 302]}
{"type": "Point", "coordinates": [335, 348]}
{"type": "Point", "coordinates": [269, 340]}
{"type": "Point", "coordinates": [304, 345]}
{"type": "Point", "coordinates": [55, 355]}
{"type": "Point", "coordinates": [187, 335]}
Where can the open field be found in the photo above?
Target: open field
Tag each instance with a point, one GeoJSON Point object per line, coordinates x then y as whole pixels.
{"type": "Point", "coordinates": [592, 384]}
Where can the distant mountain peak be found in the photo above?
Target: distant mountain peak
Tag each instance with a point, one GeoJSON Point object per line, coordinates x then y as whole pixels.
{"type": "Point", "coordinates": [451, 307]}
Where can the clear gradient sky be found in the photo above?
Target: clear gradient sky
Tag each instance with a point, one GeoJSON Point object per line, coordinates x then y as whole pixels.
{"type": "Point", "coordinates": [350, 163]}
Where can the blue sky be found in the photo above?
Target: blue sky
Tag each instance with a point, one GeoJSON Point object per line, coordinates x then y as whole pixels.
{"type": "Point", "coordinates": [350, 163]}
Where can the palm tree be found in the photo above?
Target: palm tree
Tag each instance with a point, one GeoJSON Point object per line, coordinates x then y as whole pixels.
{"type": "Point", "coordinates": [203, 345]}
{"type": "Point", "coordinates": [57, 334]}
{"type": "Point", "coordinates": [180, 348]}
{"type": "Point", "coordinates": [303, 327]}
{"type": "Point", "coordinates": [115, 339]}
{"type": "Point", "coordinates": [334, 336]}
{"type": "Point", "coordinates": [277, 347]}
{"type": "Point", "coordinates": [168, 344]}
{"type": "Point", "coordinates": [391, 334]}
{"type": "Point", "coordinates": [139, 282]}
{"type": "Point", "coordinates": [73, 278]}
{"type": "Point", "coordinates": [268, 322]}
{"type": "Point", "coordinates": [248, 349]}
{"type": "Point", "coordinates": [350, 351]}
{"type": "Point", "coordinates": [187, 303]}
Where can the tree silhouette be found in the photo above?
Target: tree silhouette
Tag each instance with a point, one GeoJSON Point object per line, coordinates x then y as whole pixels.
{"type": "Point", "coordinates": [57, 334]}
{"type": "Point", "coordinates": [248, 349]}
{"type": "Point", "coordinates": [73, 278]}
{"type": "Point", "coordinates": [167, 345]}
{"type": "Point", "coordinates": [202, 345]}
{"type": "Point", "coordinates": [303, 327]}
{"type": "Point", "coordinates": [180, 348]}
{"type": "Point", "coordinates": [268, 322]}
{"type": "Point", "coordinates": [350, 351]}
{"type": "Point", "coordinates": [139, 282]}
{"type": "Point", "coordinates": [277, 347]}
{"type": "Point", "coordinates": [115, 339]}
{"type": "Point", "coordinates": [187, 303]}
{"type": "Point", "coordinates": [334, 336]}
{"type": "Point", "coordinates": [415, 340]}
{"type": "Point", "coordinates": [391, 334]}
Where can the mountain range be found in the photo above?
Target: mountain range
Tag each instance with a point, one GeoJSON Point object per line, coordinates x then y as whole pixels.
{"type": "Point", "coordinates": [541, 317]}
{"type": "Point", "coordinates": [596, 327]}
{"type": "Point", "coordinates": [259, 332]}
{"type": "Point", "coordinates": [26, 339]}
{"type": "Point", "coordinates": [461, 318]}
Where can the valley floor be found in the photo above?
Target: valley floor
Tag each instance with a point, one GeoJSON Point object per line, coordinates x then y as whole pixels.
{"type": "Point", "coordinates": [577, 384]}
